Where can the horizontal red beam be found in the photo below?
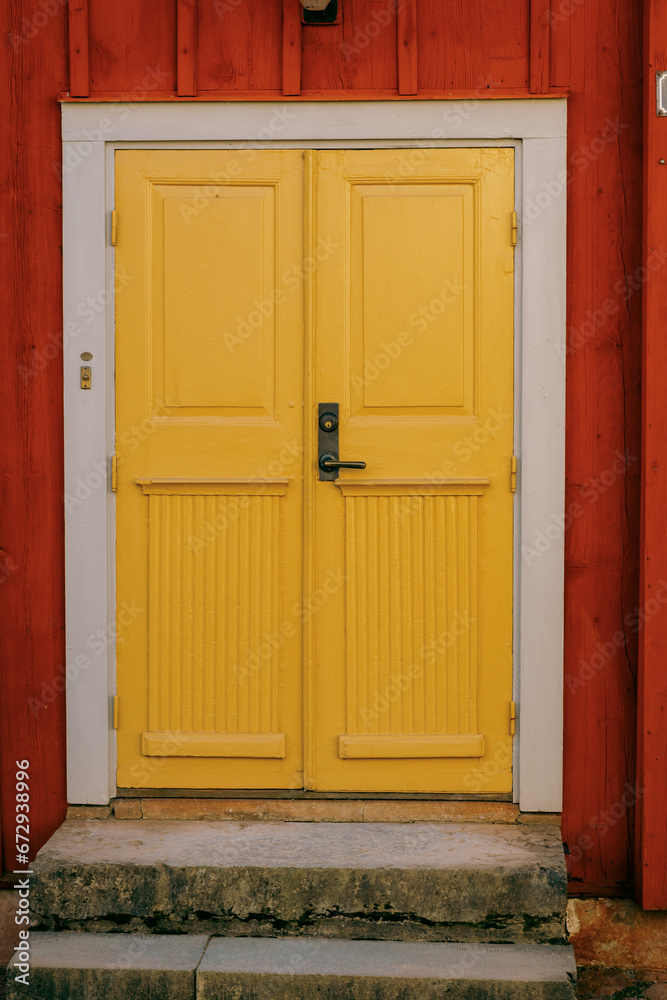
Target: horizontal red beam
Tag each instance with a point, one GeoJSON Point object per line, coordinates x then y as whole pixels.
{"type": "Point", "coordinates": [316, 95]}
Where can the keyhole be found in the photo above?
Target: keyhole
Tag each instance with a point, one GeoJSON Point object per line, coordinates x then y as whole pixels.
{"type": "Point", "coordinates": [328, 422]}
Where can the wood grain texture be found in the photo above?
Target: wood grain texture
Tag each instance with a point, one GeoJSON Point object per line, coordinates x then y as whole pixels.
{"type": "Point", "coordinates": [652, 690]}
{"type": "Point", "coordinates": [473, 47]}
{"type": "Point", "coordinates": [32, 650]}
{"type": "Point", "coordinates": [406, 21]}
{"type": "Point", "coordinates": [358, 53]}
{"type": "Point", "coordinates": [240, 46]}
{"type": "Point", "coordinates": [79, 71]}
{"type": "Point", "coordinates": [603, 422]}
{"type": "Point", "coordinates": [291, 83]}
{"type": "Point", "coordinates": [539, 46]}
{"type": "Point", "coordinates": [186, 42]}
{"type": "Point", "coordinates": [133, 48]}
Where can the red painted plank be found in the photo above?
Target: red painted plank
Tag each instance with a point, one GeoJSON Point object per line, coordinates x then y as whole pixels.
{"type": "Point", "coordinates": [539, 46]}
{"type": "Point", "coordinates": [133, 48]}
{"type": "Point", "coordinates": [652, 682]}
{"type": "Point", "coordinates": [291, 83]}
{"type": "Point", "coordinates": [32, 649]}
{"type": "Point", "coordinates": [603, 420]}
{"type": "Point", "coordinates": [186, 48]}
{"type": "Point", "coordinates": [406, 18]}
{"type": "Point", "coordinates": [240, 48]}
{"type": "Point", "coordinates": [359, 53]}
{"type": "Point", "coordinates": [79, 71]}
{"type": "Point", "coordinates": [473, 46]}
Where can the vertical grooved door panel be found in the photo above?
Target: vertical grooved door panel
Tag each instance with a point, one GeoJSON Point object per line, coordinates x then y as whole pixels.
{"type": "Point", "coordinates": [205, 676]}
{"type": "Point", "coordinates": [412, 578]}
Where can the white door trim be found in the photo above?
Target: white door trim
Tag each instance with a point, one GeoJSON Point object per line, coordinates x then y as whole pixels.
{"type": "Point", "coordinates": [537, 130]}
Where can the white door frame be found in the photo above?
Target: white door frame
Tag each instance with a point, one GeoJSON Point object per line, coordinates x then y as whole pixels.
{"type": "Point", "coordinates": [537, 130]}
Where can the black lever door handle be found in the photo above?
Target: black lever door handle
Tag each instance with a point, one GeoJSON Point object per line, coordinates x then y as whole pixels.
{"type": "Point", "coordinates": [331, 462]}
{"type": "Point", "coordinates": [328, 446]}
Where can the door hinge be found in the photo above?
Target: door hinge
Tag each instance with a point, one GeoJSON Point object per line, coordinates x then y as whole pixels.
{"type": "Point", "coordinates": [513, 229]}
{"type": "Point", "coordinates": [115, 711]}
{"type": "Point", "coordinates": [512, 718]}
{"type": "Point", "coordinates": [114, 473]}
{"type": "Point", "coordinates": [114, 227]}
{"type": "Point", "coordinates": [513, 468]}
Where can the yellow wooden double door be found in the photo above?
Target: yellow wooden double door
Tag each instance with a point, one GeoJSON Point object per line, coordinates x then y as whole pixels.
{"type": "Point", "coordinates": [276, 630]}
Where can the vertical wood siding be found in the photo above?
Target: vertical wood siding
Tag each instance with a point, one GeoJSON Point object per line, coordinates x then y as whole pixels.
{"type": "Point", "coordinates": [32, 651]}
{"type": "Point", "coordinates": [241, 48]}
{"type": "Point", "coordinates": [652, 689]}
{"type": "Point", "coordinates": [602, 428]}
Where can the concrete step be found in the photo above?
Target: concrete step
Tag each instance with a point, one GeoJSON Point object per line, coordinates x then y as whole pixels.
{"type": "Point", "coordinates": [415, 881]}
{"type": "Point", "coordinates": [72, 966]}
{"type": "Point", "coordinates": [293, 969]}
{"type": "Point", "coordinates": [108, 967]}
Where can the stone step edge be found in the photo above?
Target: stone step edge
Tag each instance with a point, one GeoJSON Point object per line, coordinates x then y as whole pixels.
{"type": "Point", "coordinates": [311, 810]}
{"type": "Point", "coordinates": [213, 956]}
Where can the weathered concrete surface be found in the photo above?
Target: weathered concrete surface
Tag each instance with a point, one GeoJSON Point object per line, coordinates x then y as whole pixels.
{"type": "Point", "coordinates": [610, 984]}
{"type": "Point", "coordinates": [292, 969]}
{"type": "Point", "coordinates": [109, 967]}
{"type": "Point", "coordinates": [431, 881]}
{"type": "Point", "coordinates": [617, 933]}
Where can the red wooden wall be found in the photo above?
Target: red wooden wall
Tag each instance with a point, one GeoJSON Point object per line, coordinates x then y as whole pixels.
{"type": "Point", "coordinates": [138, 50]}
{"type": "Point", "coordinates": [32, 652]}
{"type": "Point", "coordinates": [651, 850]}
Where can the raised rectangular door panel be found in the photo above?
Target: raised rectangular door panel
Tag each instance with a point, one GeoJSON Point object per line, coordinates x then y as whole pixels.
{"type": "Point", "coordinates": [413, 336]}
{"type": "Point", "coordinates": [209, 378]}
